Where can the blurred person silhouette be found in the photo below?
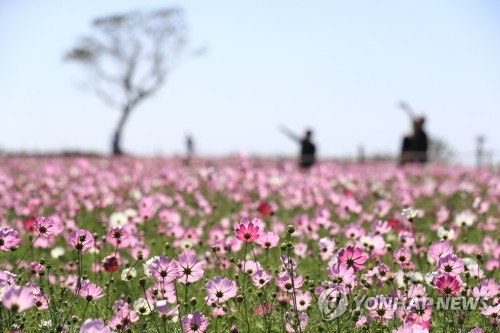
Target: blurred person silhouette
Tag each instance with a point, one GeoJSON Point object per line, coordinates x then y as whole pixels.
{"type": "Point", "coordinates": [189, 150]}
{"type": "Point", "coordinates": [307, 148]}
{"type": "Point", "coordinates": [414, 148]}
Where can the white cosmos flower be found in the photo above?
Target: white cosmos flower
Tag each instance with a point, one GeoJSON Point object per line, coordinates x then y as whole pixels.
{"type": "Point", "coordinates": [94, 250]}
{"type": "Point", "coordinates": [470, 263]}
{"type": "Point", "coordinates": [57, 252]}
{"type": "Point", "coordinates": [409, 213]}
{"type": "Point", "coordinates": [142, 307]}
{"type": "Point", "coordinates": [128, 274]}
{"type": "Point", "coordinates": [465, 219]}
{"type": "Point", "coordinates": [416, 277]}
{"type": "Point", "coordinates": [118, 219]}
{"type": "Point", "coordinates": [135, 194]}
{"type": "Point", "coordinates": [444, 234]}
{"type": "Point", "coordinates": [147, 264]}
{"type": "Point", "coordinates": [185, 244]}
{"type": "Point", "coordinates": [429, 277]}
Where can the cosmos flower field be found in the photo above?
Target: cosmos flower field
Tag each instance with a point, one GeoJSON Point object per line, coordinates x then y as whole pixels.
{"type": "Point", "coordinates": [148, 245]}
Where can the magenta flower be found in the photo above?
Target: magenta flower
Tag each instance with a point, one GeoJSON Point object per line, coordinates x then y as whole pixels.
{"type": "Point", "coordinates": [9, 239]}
{"type": "Point", "coordinates": [90, 292]}
{"type": "Point", "coordinates": [450, 264]}
{"type": "Point", "coordinates": [81, 240]}
{"type": "Point", "coordinates": [94, 326]}
{"type": "Point", "coordinates": [194, 323]}
{"type": "Point", "coordinates": [164, 269]}
{"type": "Point", "coordinates": [45, 226]}
{"type": "Point", "coordinates": [189, 270]}
{"type": "Point", "coordinates": [220, 289]}
{"type": "Point", "coordinates": [246, 231]}
{"type": "Point", "coordinates": [446, 284]}
{"type": "Point", "coordinates": [352, 257]}
{"type": "Point", "coordinates": [17, 299]}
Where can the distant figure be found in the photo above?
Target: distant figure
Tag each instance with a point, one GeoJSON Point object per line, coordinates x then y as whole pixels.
{"type": "Point", "coordinates": [307, 147]}
{"type": "Point", "coordinates": [189, 150]}
{"type": "Point", "coordinates": [414, 149]}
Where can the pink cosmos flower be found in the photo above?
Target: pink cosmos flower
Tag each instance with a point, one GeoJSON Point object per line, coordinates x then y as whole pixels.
{"type": "Point", "coordinates": [450, 264]}
{"type": "Point", "coordinates": [268, 240]}
{"type": "Point", "coordinates": [303, 299]}
{"type": "Point", "coordinates": [491, 311]}
{"type": "Point", "coordinates": [189, 270]}
{"type": "Point", "coordinates": [476, 330]}
{"type": "Point", "coordinates": [326, 248]}
{"type": "Point", "coordinates": [194, 323]}
{"type": "Point", "coordinates": [90, 292]}
{"type": "Point", "coordinates": [220, 289]}
{"type": "Point", "coordinates": [341, 273]}
{"type": "Point", "coordinates": [421, 311]}
{"type": "Point", "coordinates": [411, 328]}
{"type": "Point", "coordinates": [246, 231]}
{"type": "Point", "coordinates": [486, 289]}
{"type": "Point", "coordinates": [402, 257]}
{"type": "Point", "coordinates": [417, 290]}
{"type": "Point", "coordinates": [382, 272]}
{"type": "Point", "coordinates": [382, 308]}
{"type": "Point", "coordinates": [303, 321]}
{"type": "Point", "coordinates": [9, 239]}
{"type": "Point", "coordinates": [439, 249]}
{"type": "Point", "coordinates": [123, 319]}
{"type": "Point", "coordinates": [45, 226]}
{"type": "Point", "coordinates": [285, 283]}
{"type": "Point", "coordinates": [118, 237]}
{"type": "Point", "coordinates": [94, 326]}
{"type": "Point", "coordinates": [165, 312]}
{"type": "Point", "coordinates": [380, 227]}
{"type": "Point", "coordinates": [81, 240]}
{"type": "Point", "coordinates": [353, 231]}
{"type": "Point", "coordinates": [263, 309]}
{"type": "Point", "coordinates": [261, 278]}
{"type": "Point", "coordinates": [17, 299]}
{"type": "Point", "coordinates": [352, 257]}
{"type": "Point", "coordinates": [446, 284]}
{"type": "Point", "coordinates": [164, 269]}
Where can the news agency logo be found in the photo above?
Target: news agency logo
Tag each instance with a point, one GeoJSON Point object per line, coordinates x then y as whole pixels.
{"type": "Point", "coordinates": [332, 303]}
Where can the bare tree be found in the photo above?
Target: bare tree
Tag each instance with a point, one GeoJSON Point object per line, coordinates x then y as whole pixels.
{"type": "Point", "coordinates": [129, 56]}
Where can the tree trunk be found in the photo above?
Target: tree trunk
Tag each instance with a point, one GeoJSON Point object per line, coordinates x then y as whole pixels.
{"type": "Point", "coordinates": [116, 143]}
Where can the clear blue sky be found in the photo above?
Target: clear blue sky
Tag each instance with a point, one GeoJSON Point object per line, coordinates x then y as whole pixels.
{"type": "Point", "coordinates": [339, 67]}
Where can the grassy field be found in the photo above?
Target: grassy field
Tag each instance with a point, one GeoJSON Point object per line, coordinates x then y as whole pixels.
{"type": "Point", "coordinates": [147, 245]}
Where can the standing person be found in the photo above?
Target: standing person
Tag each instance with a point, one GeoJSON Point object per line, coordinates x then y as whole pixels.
{"type": "Point", "coordinates": [415, 146]}
{"type": "Point", "coordinates": [189, 150]}
{"type": "Point", "coordinates": [307, 148]}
